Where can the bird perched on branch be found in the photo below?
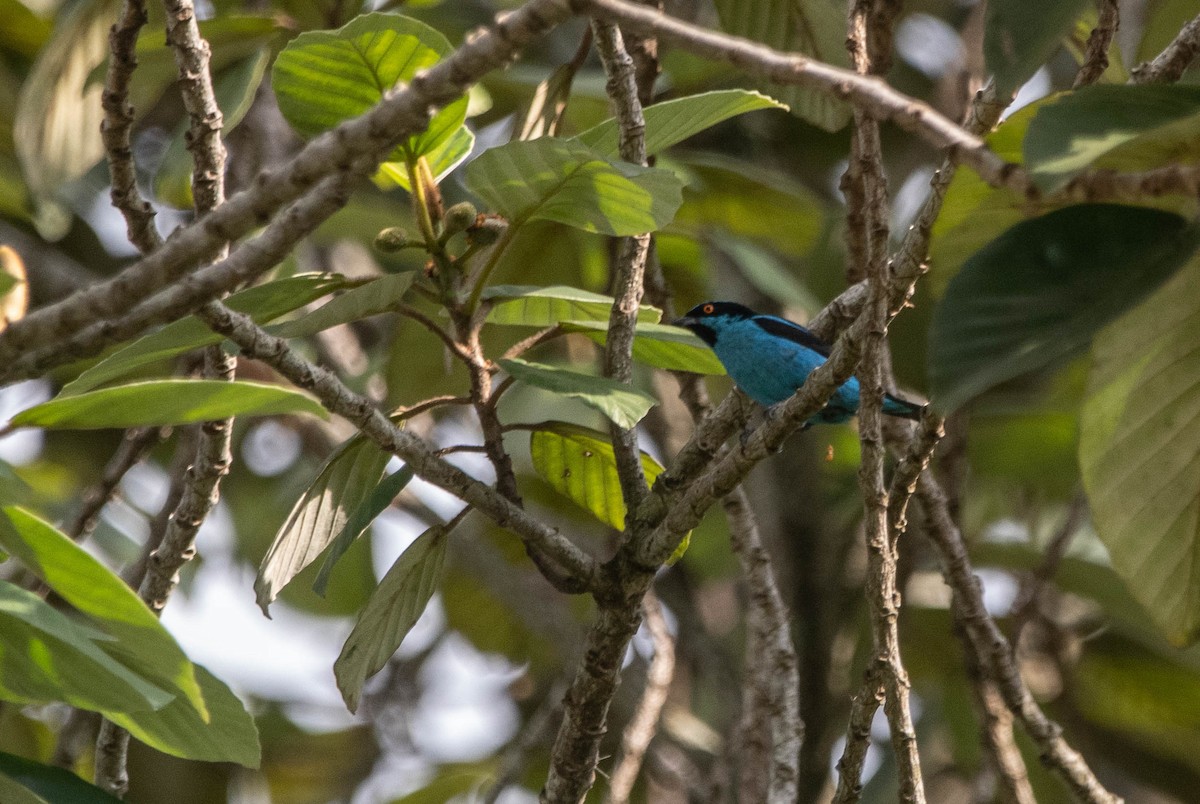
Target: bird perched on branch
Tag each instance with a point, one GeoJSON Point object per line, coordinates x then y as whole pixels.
{"type": "Point", "coordinates": [770, 357]}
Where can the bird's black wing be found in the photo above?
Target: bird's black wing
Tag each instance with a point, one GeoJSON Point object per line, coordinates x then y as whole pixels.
{"type": "Point", "coordinates": [782, 328]}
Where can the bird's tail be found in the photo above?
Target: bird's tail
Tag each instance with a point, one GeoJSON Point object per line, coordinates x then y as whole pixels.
{"type": "Point", "coordinates": [895, 406]}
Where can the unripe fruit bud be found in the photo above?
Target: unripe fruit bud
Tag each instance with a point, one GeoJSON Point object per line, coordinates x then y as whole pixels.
{"type": "Point", "coordinates": [460, 217]}
{"type": "Point", "coordinates": [391, 240]}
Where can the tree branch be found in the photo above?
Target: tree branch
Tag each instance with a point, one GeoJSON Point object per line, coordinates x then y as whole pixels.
{"type": "Point", "coordinates": [1170, 65]}
{"type": "Point", "coordinates": [1095, 57]}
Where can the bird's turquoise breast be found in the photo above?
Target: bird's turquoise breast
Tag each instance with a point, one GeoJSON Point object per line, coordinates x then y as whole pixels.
{"type": "Point", "coordinates": [767, 368]}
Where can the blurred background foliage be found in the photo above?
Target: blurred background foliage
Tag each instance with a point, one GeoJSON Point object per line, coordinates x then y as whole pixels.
{"type": "Point", "coordinates": [464, 711]}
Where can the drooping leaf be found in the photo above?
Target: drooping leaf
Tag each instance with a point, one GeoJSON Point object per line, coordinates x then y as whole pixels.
{"type": "Point", "coordinates": [623, 404]}
{"type": "Point", "coordinates": [140, 641]}
{"type": "Point", "coordinates": [392, 610]}
{"type": "Point", "coordinates": [345, 480]}
{"type": "Point", "coordinates": [50, 783]}
{"type": "Point", "coordinates": [442, 159]}
{"type": "Point", "coordinates": [659, 345]}
{"type": "Point", "coordinates": [1021, 35]}
{"type": "Point", "coordinates": [364, 301]}
{"type": "Point", "coordinates": [360, 519]}
{"type": "Point", "coordinates": [533, 306]}
{"type": "Point", "coordinates": [565, 181]}
{"type": "Point", "coordinates": [1139, 437]}
{"type": "Point", "coordinates": [578, 463]}
{"type": "Point", "coordinates": [160, 402]}
{"type": "Point", "coordinates": [325, 77]}
{"type": "Point", "coordinates": [228, 734]}
{"type": "Point", "coordinates": [263, 303]}
{"type": "Point", "coordinates": [1078, 129]}
{"type": "Point", "coordinates": [815, 28]}
{"type": "Point", "coordinates": [1038, 293]}
{"type": "Point", "coordinates": [45, 656]}
{"type": "Point", "coordinates": [673, 121]}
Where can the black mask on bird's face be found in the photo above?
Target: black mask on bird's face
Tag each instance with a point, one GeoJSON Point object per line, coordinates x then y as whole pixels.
{"type": "Point", "coordinates": [696, 317]}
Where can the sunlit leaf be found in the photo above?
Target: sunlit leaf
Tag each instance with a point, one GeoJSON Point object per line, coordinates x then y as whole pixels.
{"type": "Point", "coordinates": [159, 402]}
{"type": "Point", "coordinates": [441, 160]}
{"type": "Point", "coordinates": [325, 77]}
{"type": "Point", "coordinates": [659, 345]}
{"type": "Point", "coordinates": [343, 483]}
{"type": "Point", "coordinates": [533, 306]}
{"type": "Point", "coordinates": [1020, 36]}
{"type": "Point", "coordinates": [673, 121]}
{"type": "Point", "coordinates": [815, 28]}
{"type": "Point", "coordinates": [578, 463]}
{"type": "Point", "coordinates": [1038, 293]}
{"type": "Point", "coordinates": [263, 303]}
{"type": "Point", "coordinates": [140, 641]}
{"type": "Point", "coordinates": [1138, 441]}
{"type": "Point", "coordinates": [228, 734]}
{"type": "Point", "coordinates": [360, 519]}
{"type": "Point", "coordinates": [565, 181]}
{"type": "Point", "coordinates": [624, 405]}
{"type": "Point", "coordinates": [392, 610]}
{"type": "Point", "coordinates": [1077, 129]}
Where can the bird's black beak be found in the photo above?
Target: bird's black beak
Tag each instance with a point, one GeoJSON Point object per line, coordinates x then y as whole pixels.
{"type": "Point", "coordinates": [687, 322]}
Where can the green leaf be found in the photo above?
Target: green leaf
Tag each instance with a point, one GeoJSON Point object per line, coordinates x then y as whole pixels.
{"type": "Point", "coordinates": [372, 298]}
{"type": "Point", "coordinates": [578, 463]}
{"type": "Point", "coordinates": [1138, 441]}
{"type": "Point", "coordinates": [263, 303]}
{"type": "Point", "coordinates": [343, 483]}
{"type": "Point", "coordinates": [45, 656]}
{"type": "Point", "coordinates": [15, 793]}
{"type": "Point", "coordinates": [325, 77]}
{"type": "Point", "coordinates": [442, 159]}
{"type": "Point", "coordinates": [362, 517]}
{"type": "Point", "coordinates": [565, 181]}
{"type": "Point", "coordinates": [160, 402]}
{"type": "Point", "coordinates": [624, 405]}
{"type": "Point", "coordinates": [1164, 20]}
{"type": "Point", "coordinates": [1077, 129]}
{"type": "Point", "coordinates": [227, 735]}
{"type": "Point", "coordinates": [1021, 35]}
{"type": "Point", "coordinates": [534, 306]}
{"type": "Point", "coordinates": [1038, 293]}
{"type": "Point", "coordinates": [23, 32]}
{"type": "Point", "coordinates": [141, 642]}
{"type": "Point", "coordinates": [815, 28]}
{"type": "Point", "coordinates": [659, 345]}
{"type": "Point", "coordinates": [50, 783]}
{"type": "Point", "coordinates": [392, 610]}
{"type": "Point", "coordinates": [671, 122]}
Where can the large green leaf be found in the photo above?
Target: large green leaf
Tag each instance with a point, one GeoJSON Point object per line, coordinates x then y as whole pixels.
{"type": "Point", "coordinates": [1038, 293]}
{"type": "Point", "coordinates": [360, 519]}
{"type": "Point", "coordinates": [140, 640]}
{"type": "Point", "coordinates": [263, 303]}
{"type": "Point", "coordinates": [227, 735]}
{"type": "Point", "coordinates": [50, 783]}
{"type": "Point", "coordinates": [441, 160]}
{"type": "Point", "coordinates": [372, 298]}
{"type": "Point", "coordinates": [673, 121]}
{"type": "Point", "coordinates": [45, 656]}
{"type": "Point", "coordinates": [159, 402]}
{"type": "Point", "coordinates": [343, 483]}
{"type": "Point", "coordinates": [565, 181]}
{"type": "Point", "coordinates": [624, 405]}
{"type": "Point", "coordinates": [392, 610]}
{"type": "Point", "coordinates": [325, 77]}
{"type": "Point", "coordinates": [1075, 130]}
{"type": "Point", "coordinates": [659, 345]}
{"type": "Point", "coordinates": [534, 306]}
{"type": "Point", "coordinates": [578, 463]}
{"type": "Point", "coordinates": [815, 28]}
{"type": "Point", "coordinates": [1021, 35]}
{"type": "Point", "coordinates": [1139, 439]}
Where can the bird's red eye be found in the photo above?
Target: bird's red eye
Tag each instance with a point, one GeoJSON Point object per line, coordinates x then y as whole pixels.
{"type": "Point", "coordinates": [708, 308]}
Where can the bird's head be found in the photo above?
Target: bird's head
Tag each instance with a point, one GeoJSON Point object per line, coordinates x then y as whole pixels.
{"type": "Point", "coordinates": [708, 318]}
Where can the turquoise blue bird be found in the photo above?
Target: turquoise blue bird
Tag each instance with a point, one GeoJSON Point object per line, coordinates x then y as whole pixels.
{"type": "Point", "coordinates": [770, 357]}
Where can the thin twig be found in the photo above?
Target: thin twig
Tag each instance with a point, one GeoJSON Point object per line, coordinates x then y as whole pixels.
{"type": "Point", "coordinates": [1170, 65]}
{"type": "Point", "coordinates": [630, 268]}
{"type": "Point", "coordinates": [135, 445]}
{"type": "Point", "coordinates": [456, 348]}
{"type": "Point", "coordinates": [1095, 57]}
{"type": "Point", "coordinates": [1032, 592]}
{"type": "Point", "coordinates": [535, 730]}
{"type": "Point", "coordinates": [640, 730]}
